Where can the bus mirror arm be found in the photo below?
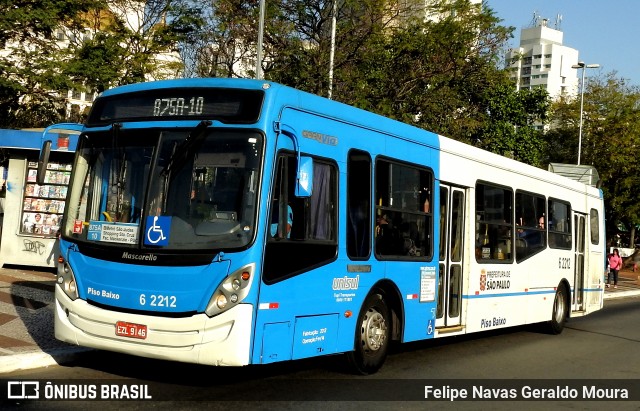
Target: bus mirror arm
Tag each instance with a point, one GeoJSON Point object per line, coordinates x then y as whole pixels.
{"type": "Point", "coordinates": [43, 161]}
{"type": "Point", "coordinates": [304, 171]}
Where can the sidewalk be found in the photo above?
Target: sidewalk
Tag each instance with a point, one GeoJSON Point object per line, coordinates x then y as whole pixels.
{"type": "Point", "coordinates": [628, 285]}
{"type": "Point", "coordinates": [26, 320]}
{"type": "Point", "coordinates": [26, 317]}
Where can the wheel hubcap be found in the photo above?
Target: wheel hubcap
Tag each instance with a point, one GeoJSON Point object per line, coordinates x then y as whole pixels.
{"type": "Point", "coordinates": [559, 303]}
{"type": "Point", "coordinates": [374, 331]}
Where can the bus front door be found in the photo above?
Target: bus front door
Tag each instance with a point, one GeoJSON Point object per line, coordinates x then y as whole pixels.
{"type": "Point", "coordinates": [577, 301]}
{"type": "Point", "coordinates": [452, 207]}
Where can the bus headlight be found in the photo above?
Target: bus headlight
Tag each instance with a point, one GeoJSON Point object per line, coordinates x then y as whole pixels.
{"type": "Point", "coordinates": [231, 291]}
{"type": "Point", "coordinates": [221, 301]}
{"type": "Point", "coordinates": [66, 280]}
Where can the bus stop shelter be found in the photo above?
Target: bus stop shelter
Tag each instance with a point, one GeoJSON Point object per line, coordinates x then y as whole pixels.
{"type": "Point", "coordinates": [32, 212]}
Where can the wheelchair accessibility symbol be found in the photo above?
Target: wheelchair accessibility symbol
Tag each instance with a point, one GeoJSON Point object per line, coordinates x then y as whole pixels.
{"type": "Point", "coordinates": [158, 229]}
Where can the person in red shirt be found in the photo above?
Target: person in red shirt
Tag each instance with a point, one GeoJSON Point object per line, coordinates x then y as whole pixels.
{"type": "Point", "coordinates": [615, 265]}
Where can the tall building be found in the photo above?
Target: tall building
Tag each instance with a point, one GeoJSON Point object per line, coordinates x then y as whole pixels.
{"type": "Point", "coordinates": [542, 61]}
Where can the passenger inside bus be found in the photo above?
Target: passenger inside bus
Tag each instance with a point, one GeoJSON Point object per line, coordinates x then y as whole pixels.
{"type": "Point", "coordinates": [390, 236]}
{"type": "Point", "coordinates": [384, 235]}
{"type": "Point", "coordinates": [275, 218]}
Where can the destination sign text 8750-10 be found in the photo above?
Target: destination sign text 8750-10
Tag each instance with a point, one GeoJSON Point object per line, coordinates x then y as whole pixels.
{"type": "Point", "coordinates": [176, 106]}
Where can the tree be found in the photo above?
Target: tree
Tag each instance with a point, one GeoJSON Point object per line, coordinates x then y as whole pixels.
{"type": "Point", "coordinates": [610, 142]}
{"type": "Point", "coordinates": [85, 45]}
{"type": "Point", "coordinates": [441, 74]}
{"type": "Point", "coordinates": [131, 42]}
{"type": "Point", "coordinates": [508, 126]}
{"type": "Point", "coordinates": [28, 68]}
{"type": "Point", "coordinates": [611, 145]}
{"type": "Point", "coordinates": [297, 39]}
{"type": "Point", "coordinates": [25, 21]}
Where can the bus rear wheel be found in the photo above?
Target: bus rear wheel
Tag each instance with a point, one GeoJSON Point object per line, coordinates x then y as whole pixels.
{"type": "Point", "coordinates": [372, 336]}
{"type": "Point", "coordinates": [560, 311]}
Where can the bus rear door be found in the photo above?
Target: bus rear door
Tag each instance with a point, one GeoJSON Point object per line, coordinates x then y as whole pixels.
{"type": "Point", "coordinates": [452, 209]}
{"type": "Point", "coordinates": [577, 302]}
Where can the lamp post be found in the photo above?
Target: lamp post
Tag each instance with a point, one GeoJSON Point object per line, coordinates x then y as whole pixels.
{"type": "Point", "coordinates": [260, 36]}
{"type": "Point", "coordinates": [583, 66]}
{"type": "Point", "coordinates": [333, 48]}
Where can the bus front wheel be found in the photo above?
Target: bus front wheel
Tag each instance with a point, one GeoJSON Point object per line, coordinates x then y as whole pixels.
{"type": "Point", "coordinates": [372, 336]}
{"type": "Point", "coordinates": [560, 311]}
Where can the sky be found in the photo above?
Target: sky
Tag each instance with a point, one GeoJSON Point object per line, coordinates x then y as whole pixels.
{"type": "Point", "coordinates": [603, 32]}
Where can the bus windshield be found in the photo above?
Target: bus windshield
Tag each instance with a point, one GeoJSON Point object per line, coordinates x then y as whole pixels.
{"type": "Point", "coordinates": [151, 189]}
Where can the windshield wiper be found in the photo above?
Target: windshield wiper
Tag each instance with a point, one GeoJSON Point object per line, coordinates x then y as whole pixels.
{"type": "Point", "coordinates": [186, 149]}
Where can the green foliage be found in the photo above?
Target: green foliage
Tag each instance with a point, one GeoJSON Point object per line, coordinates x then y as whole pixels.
{"type": "Point", "coordinates": [102, 48]}
{"type": "Point", "coordinates": [93, 64]}
{"type": "Point", "coordinates": [442, 74]}
{"type": "Point", "coordinates": [31, 82]}
{"type": "Point", "coordinates": [611, 135]}
{"type": "Point", "coordinates": [507, 128]}
{"type": "Point", "coordinates": [23, 20]}
{"type": "Point", "coordinates": [610, 143]}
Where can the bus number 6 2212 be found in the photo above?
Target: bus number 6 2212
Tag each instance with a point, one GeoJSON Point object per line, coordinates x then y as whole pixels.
{"type": "Point", "coordinates": [157, 300]}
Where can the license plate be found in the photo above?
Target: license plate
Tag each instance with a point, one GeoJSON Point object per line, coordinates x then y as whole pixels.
{"type": "Point", "coordinates": [131, 330]}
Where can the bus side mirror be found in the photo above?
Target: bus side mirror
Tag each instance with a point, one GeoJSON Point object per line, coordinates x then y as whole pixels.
{"type": "Point", "coordinates": [304, 179]}
{"type": "Point", "coordinates": [43, 161]}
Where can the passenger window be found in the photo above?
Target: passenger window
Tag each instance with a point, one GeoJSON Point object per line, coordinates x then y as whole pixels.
{"type": "Point", "coordinates": [559, 224]}
{"type": "Point", "coordinates": [595, 226]}
{"type": "Point", "coordinates": [358, 205]}
{"type": "Point", "coordinates": [404, 219]}
{"type": "Point", "coordinates": [531, 225]}
{"type": "Point", "coordinates": [301, 232]}
{"type": "Point", "coordinates": [494, 225]}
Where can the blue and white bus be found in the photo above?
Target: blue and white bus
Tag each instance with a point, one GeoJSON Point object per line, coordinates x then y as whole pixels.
{"type": "Point", "coordinates": [235, 222]}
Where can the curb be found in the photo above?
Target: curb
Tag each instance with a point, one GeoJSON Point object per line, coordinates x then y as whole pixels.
{"type": "Point", "coordinates": [39, 359]}
{"type": "Point", "coordinates": [621, 294]}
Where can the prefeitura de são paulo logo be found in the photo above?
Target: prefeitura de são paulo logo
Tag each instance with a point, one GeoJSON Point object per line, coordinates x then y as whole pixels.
{"type": "Point", "coordinates": [483, 279]}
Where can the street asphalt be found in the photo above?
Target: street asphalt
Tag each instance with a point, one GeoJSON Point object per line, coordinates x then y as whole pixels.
{"type": "Point", "coordinates": [27, 307]}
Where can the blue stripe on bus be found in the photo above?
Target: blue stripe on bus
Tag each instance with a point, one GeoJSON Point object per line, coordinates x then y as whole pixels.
{"type": "Point", "coordinates": [471, 297]}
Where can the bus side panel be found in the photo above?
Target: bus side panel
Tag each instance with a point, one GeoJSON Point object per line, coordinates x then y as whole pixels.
{"type": "Point", "coordinates": [315, 335]}
{"type": "Point", "coordinates": [417, 280]}
{"type": "Point", "coordinates": [498, 295]}
{"type": "Point", "coordinates": [333, 293]}
{"type": "Point", "coordinates": [276, 342]}
{"type": "Point", "coordinates": [321, 305]}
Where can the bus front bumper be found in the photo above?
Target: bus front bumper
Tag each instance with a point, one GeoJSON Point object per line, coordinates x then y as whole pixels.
{"type": "Point", "coordinates": [222, 340]}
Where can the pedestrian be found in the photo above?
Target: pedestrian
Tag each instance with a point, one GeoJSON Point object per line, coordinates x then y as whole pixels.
{"type": "Point", "coordinates": [615, 264]}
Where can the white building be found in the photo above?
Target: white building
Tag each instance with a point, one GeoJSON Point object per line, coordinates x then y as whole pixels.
{"type": "Point", "coordinates": [542, 61]}
{"type": "Point", "coordinates": [420, 8]}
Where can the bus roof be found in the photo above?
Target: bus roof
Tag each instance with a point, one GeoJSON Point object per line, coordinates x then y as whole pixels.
{"type": "Point", "coordinates": [294, 98]}
{"type": "Point", "coordinates": [300, 100]}
{"type": "Point", "coordinates": [32, 140]}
